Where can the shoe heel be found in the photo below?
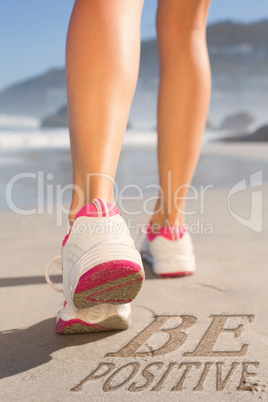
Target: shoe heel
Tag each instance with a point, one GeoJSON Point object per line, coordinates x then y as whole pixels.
{"type": "Point", "coordinates": [113, 278]}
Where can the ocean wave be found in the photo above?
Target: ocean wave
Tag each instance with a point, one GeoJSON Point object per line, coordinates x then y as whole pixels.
{"type": "Point", "coordinates": [13, 121]}
{"type": "Point", "coordinates": [59, 138]}
{"type": "Point", "coordinates": [33, 139]}
{"type": "Point", "coordinates": [16, 140]}
{"type": "Point", "coordinates": [139, 139]}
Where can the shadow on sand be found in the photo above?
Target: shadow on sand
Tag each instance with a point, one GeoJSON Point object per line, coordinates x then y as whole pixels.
{"type": "Point", "coordinates": [27, 348]}
{"type": "Point", "coordinates": [40, 280]}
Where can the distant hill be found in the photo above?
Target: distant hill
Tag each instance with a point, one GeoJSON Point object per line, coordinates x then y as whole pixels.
{"type": "Point", "coordinates": [38, 96]}
{"type": "Point", "coordinates": [238, 52]}
{"type": "Point", "coordinates": [234, 34]}
{"type": "Point", "coordinates": [260, 135]}
{"type": "Point", "coordinates": [237, 121]}
{"type": "Point", "coordinates": [58, 119]}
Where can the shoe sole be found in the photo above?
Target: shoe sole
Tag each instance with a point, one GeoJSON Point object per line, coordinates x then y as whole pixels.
{"type": "Point", "coordinates": [113, 282]}
{"type": "Point", "coordinates": [146, 256]}
{"type": "Point", "coordinates": [78, 326]}
{"type": "Point", "coordinates": [176, 274]}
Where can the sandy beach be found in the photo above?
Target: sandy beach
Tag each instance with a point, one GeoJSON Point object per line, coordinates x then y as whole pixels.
{"type": "Point", "coordinates": [222, 355]}
{"type": "Point", "coordinates": [90, 74]}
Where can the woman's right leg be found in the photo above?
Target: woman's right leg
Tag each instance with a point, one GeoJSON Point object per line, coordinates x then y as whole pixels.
{"type": "Point", "coordinates": [102, 63]}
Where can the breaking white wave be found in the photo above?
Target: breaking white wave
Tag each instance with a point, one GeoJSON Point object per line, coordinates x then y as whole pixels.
{"type": "Point", "coordinates": [147, 139]}
{"type": "Point", "coordinates": [12, 121]}
{"type": "Point", "coordinates": [33, 139]}
{"type": "Point", "coordinates": [59, 138]}
{"type": "Point", "coordinates": [26, 139]}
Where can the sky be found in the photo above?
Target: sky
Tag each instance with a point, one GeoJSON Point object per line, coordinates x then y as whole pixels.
{"type": "Point", "coordinates": [33, 32]}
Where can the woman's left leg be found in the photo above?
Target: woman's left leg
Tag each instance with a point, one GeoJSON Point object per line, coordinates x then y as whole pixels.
{"type": "Point", "coordinates": [184, 96]}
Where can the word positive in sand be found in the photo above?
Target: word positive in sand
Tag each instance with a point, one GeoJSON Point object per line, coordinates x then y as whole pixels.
{"type": "Point", "coordinates": [218, 359]}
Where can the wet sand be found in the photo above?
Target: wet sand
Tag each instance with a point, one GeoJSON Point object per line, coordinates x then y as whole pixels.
{"type": "Point", "coordinates": [225, 302]}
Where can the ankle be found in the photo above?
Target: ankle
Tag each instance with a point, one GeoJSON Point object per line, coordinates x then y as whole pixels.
{"type": "Point", "coordinates": [159, 221]}
{"type": "Point", "coordinates": [79, 202]}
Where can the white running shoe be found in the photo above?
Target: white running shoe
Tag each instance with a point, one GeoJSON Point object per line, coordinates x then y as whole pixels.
{"type": "Point", "coordinates": [169, 252]}
{"type": "Point", "coordinates": [99, 259]}
{"type": "Point", "coordinates": [100, 318]}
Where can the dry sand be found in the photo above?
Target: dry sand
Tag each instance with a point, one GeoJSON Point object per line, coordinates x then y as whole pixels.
{"type": "Point", "coordinates": [205, 361]}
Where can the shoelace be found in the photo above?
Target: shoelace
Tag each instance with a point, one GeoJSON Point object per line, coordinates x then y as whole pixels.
{"type": "Point", "coordinates": [50, 283]}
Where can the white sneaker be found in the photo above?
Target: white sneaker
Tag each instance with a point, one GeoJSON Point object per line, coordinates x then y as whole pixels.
{"type": "Point", "coordinates": [169, 252]}
{"type": "Point", "coordinates": [99, 259]}
{"type": "Point", "coordinates": [99, 318]}
{"type": "Point", "coordinates": [103, 317]}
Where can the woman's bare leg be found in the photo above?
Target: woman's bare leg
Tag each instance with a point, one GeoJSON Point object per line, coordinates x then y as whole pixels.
{"type": "Point", "coordinates": [184, 95]}
{"type": "Point", "coordinates": [102, 63]}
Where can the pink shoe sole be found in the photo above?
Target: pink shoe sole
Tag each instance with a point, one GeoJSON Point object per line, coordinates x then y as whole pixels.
{"type": "Point", "coordinates": [176, 274]}
{"type": "Point", "coordinates": [113, 282]}
{"type": "Point", "coordinates": [148, 258]}
{"type": "Point", "coordinates": [77, 326]}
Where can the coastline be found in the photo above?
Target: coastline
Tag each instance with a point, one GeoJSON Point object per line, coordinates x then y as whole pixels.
{"type": "Point", "coordinates": [220, 165]}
